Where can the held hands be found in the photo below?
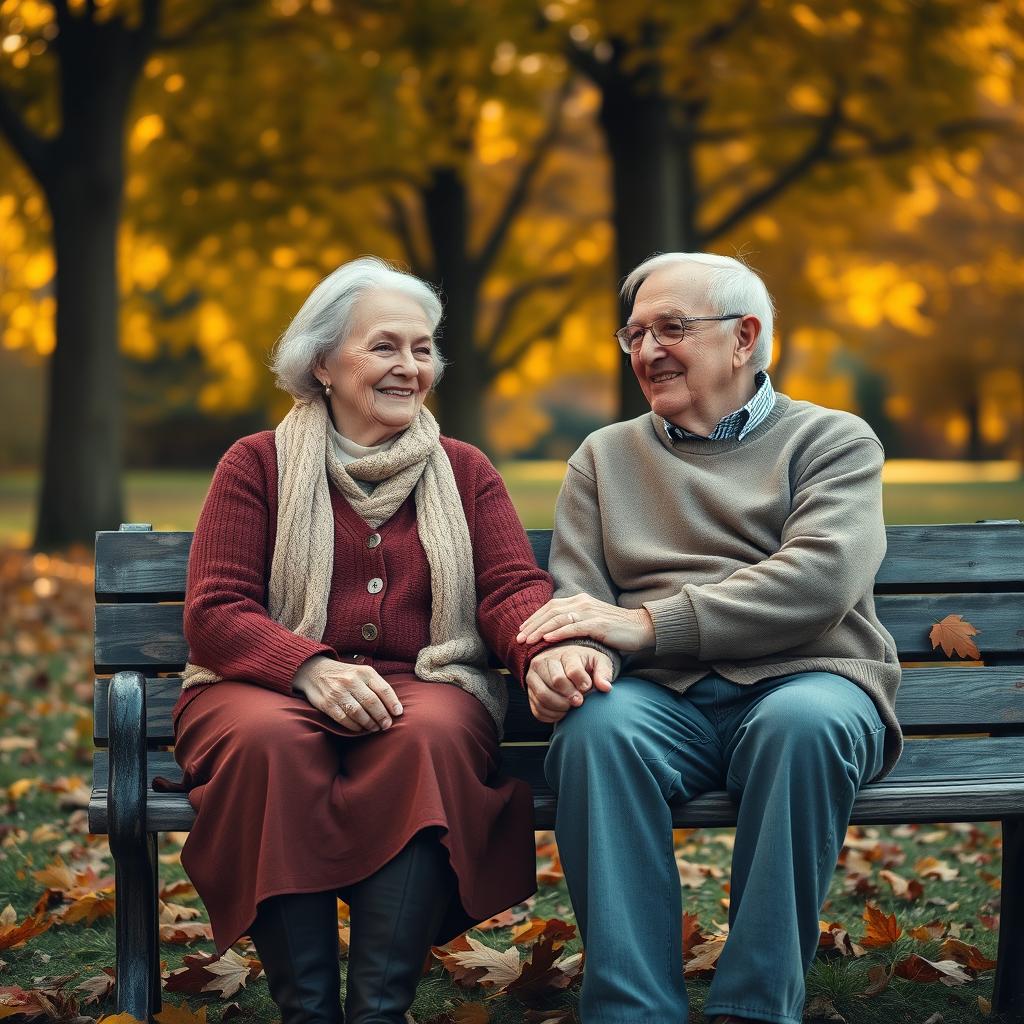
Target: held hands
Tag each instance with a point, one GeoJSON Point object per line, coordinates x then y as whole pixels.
{"type": "Point", "coordinates": [565, 618]}
{"type": "Point", "coordinates": [355, 696]}
{"type": "Point", "coordinates": [560, 676]}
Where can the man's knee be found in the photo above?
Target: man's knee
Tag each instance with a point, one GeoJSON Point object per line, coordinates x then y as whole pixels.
{"type": "Point", "coordinates": [816, 717]}
{"type": "Point", "coordinates": [606, 732]}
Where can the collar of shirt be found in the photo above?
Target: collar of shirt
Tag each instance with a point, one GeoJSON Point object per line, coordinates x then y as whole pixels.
{"type": "Point", "coordinates": [736, 425]}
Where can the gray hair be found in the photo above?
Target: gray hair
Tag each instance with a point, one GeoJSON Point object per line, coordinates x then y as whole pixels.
{"type": "Point", "coordinates": [732, 287]}
{"type": "Point", "coordinates": [325, 320]}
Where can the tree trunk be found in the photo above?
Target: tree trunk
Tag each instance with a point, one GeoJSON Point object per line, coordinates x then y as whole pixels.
{"type": "Point", "coordinates": [84, 183]}
{"type": "Point", "coordinates": [651, 169]}
{"type": "Point", "coordinates": [81, 487]}
{"type": "Point", "coordinates": [460, 395]}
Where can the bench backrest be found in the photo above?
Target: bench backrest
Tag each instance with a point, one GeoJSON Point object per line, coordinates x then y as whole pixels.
{"type": "Point", "coordinates": [976, 571]}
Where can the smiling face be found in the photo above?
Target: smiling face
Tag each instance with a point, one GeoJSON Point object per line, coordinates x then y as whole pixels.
{"type": "Point", "coordinates": [382, 370]}
{"type": "Point", "coordinates": [704, 377]}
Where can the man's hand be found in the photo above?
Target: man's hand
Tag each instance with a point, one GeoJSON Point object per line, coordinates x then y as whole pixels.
{"type": "Point", "coordinates": [566, 618]}
{"type": "Point", "coordinates": [355, 696]}
{"type": "Point", "coordinates": [559, 677]}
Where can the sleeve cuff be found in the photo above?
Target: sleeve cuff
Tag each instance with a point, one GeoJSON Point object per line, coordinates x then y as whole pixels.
{"type": "Point", "coordinates": [675, 625]}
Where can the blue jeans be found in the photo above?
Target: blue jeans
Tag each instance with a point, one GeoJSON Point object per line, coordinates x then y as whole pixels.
{"type": "Point", "coordinates": [792, 753]}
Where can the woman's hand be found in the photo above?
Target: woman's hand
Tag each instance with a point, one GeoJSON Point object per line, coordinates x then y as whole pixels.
{"type": "Point", "coordinates": [560, 676]}
{"type": "Point", "coordinates": [566, 618]}
{"type": "Point", "coordinates": [355, 696]}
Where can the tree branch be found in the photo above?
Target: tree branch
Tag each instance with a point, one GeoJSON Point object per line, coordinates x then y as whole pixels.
{"type": "Point", "coordinates": [815, 152]}
{"type": "Point", "coordinates": [402, 225]}
{"type": "Point", "coordinates": [498, 366]}
{"type": "Point", "coordinates": [521, 189]}
{"type": "Point", "coordinates": [722, 30]}
{"type": "Point", "coordinates": [213, 17]}
{"type": "Point", "coordinates": [515, 299]}
{"type": "Point", "coordinates": [33, 149]}
{"type": "Point", "coordinates": [950, 130]}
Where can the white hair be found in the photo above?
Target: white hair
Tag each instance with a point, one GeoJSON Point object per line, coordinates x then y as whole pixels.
{"type": "Point", "coordinates": [325, 320]}
{"type": "Point", "coordinates": [732, 287]}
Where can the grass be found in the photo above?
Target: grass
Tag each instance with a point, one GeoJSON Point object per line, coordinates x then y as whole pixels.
{"type": "Point", "coordinates": [171, 500]}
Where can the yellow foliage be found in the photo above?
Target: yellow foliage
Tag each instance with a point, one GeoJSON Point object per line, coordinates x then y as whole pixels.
{"type": "Point", "coordinates": [39, 269]}
{"type": "Point", "coordinates": [145, 130]}
{"type": "Point", "coordinates": [807, 99]}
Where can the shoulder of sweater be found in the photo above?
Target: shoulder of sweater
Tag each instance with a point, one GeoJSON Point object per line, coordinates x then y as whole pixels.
{"type": "Point", "coordinates": [252, 453]}
{"type": "Point", "coordinates": [827, 428]}
{"type": "Point", "coordinates": [466, 459]}
{"type": "Point", "coordinates": [613, 439]}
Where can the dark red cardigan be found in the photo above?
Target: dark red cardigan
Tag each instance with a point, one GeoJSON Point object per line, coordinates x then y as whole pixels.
{"type": "Point", "coordinates": [227, 625]}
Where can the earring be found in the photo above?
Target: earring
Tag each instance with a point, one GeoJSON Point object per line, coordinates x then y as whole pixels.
{"type": "Point", "coordinates": [328, 390]}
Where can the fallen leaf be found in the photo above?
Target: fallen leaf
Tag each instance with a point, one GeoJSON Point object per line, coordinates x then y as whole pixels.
{"type": "Point", "coordinates": [954, 634]}
{"type": "Point", "coordinates": [559, 930]}
{"type": "Point", "coordinates": [470, 1013]}
{"type": "Point", "coordinates": [182, 1014]}
{"type": "Point", "coordinates": [932, 867]}
{"type": "Point", "coordinates": [470, 962]}
{"type": "Point", "coordinates": [205, 972]}
{"type": "Point", "coordinates": [834, 936]}
{"type": "Point", "coordinates": [13, 934]}
{"type": "Point", "coordinates": [97, 987]}
{"type": "Point", "coordinates": [173, 912]}
{"type": "Point", "coordinates": [985, 1006]}
{"type": "Point", "coordinates": [544, 973]}
{"type": "Point", "coordinates": [917, 968]}
{"type": "Point", "coordinates": [928, 932]}
{"type": "Point", "coordinates": [89, 908]}
{"type": "Point", "coordinates": [970, 956]}
{"type": "Point", "coordinates": [185, 932]}
{"type": "Point", "coordinates": [905, 889]}
{"type": "Point", "coordinates": [704, 956]}
{"type": "Point", "coordinates": [882, 929]}
{"type": "Point", "coordinates": [822, 1008]}
{"type": "Point", "coordinates": [879, 977]}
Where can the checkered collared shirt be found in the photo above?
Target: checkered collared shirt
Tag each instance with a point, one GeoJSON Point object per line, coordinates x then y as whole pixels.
{"type": "Point", "coordinates": [737, 424]}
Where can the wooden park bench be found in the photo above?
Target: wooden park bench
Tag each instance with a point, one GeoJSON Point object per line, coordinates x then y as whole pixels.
{"type": "Point", "coordinates": [964, 757]}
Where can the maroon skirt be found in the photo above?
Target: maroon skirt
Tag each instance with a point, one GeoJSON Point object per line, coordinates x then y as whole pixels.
{"type": "Point", "coordinates": [287, 800]}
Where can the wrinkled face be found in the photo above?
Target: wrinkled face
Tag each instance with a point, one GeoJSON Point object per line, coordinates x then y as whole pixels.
{"type": "Point", "coordinates": [382, 370]}
{"type": "Point", "coordinates": [689, 382]}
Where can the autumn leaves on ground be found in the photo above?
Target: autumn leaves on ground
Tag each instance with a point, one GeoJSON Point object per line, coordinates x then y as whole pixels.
{"type": "Point", "coordinates": [909, 931]}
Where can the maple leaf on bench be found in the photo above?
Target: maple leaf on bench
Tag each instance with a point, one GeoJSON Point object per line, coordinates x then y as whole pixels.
{"type": "Point", "coordinates": [954, 633]}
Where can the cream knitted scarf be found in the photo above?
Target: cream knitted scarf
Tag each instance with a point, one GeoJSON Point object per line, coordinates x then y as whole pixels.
{"type": "Point", "coordinates": [303, 565]}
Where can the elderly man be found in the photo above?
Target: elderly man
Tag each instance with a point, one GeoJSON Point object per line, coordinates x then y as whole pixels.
{"type": "Point", "coordinates": [724, 546]}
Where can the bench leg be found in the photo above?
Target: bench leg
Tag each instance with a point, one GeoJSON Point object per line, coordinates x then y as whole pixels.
{"type": "Point", "coordinates": [1008, 997]}
{"type": "Point", "coordinates": [138, 946]}
{"type": "Point", "coordinates": [136, 868]}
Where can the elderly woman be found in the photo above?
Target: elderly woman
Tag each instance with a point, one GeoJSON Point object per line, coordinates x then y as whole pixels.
{"type": "Point", "coordinates": [338, 727]}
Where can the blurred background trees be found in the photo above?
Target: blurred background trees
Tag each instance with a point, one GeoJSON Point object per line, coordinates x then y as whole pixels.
{"type": "Point", "coordinates": [176, 175]}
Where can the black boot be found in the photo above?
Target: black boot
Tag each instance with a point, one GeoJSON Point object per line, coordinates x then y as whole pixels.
{"type": "Point", "coordinates": [395, 914]}
{"type": "Point", "coordinates": [296, 937]}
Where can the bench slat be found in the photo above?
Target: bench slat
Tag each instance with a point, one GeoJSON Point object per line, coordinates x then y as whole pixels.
{"type": "Point", "coordinates": [876, 805]}
{"type": "Point", "coordinates": [936, 780]}
{"type": "Point", "coordinates": [930, 699]}
{"type": "Point", "coordinates": [149, 636]}
{"type": "Point", "coordinates": [137, 566]}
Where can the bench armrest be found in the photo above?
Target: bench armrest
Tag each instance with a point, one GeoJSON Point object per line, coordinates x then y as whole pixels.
{"type": "Point", "coordinates": [126, 791]}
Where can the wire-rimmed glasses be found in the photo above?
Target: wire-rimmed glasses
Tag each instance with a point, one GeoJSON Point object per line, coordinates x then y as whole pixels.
{"type": "Point", "coordinates": [667, 330]}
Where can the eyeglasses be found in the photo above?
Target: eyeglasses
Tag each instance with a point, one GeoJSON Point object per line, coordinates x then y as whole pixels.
{"type": "Point", "coordinates": [667, 330]}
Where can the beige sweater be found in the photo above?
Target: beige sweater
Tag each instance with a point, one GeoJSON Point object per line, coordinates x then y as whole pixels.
{"type": "Point", "coordinates": [755, 558]}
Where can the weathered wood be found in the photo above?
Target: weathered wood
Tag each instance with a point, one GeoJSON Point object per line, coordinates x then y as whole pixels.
{"type": "Point", "coordinates": [909, 618]}
{"type": "Point", "coordinates": [136, 876]}
{"type": "Point", "coordinates": [140, 566]}
{"type": "Point", "coordinates": [930, 700]}
{"type": "Point", "coordinates": [935, 780]}
{"type": "Point", "coordinates": [149, 636]}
